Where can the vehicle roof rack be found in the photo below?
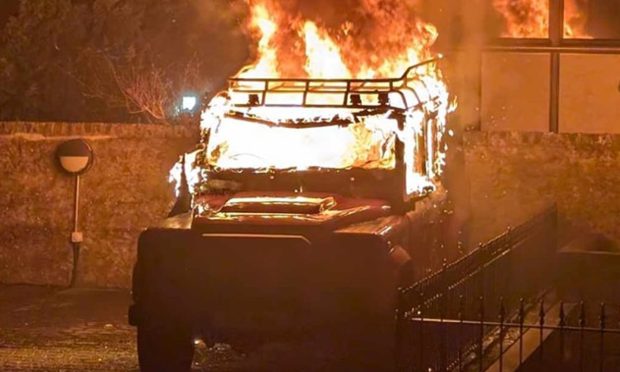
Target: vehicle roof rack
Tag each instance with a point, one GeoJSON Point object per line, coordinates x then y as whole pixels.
{"type": "Point", "coordinates": [334, 93]}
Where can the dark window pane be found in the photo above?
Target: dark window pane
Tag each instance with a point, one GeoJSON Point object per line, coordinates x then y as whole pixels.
{"type": "Point", "coordinates": [598, 19]}
{"type": "Point", "coordinates": [575, 19]}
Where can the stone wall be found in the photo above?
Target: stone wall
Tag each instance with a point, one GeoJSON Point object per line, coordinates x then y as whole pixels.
{"type": "Point", "coordinates": [514, 174]}
{"type": "Point", "coordinates": [124, 191]}
{"type": "Point", "coordinates": [508, 176]}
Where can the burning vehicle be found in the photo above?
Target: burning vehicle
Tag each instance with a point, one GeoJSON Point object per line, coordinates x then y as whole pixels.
{"type": "Point", "coordinates": [297, 212]}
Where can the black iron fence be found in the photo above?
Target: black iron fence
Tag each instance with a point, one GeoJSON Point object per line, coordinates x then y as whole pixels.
{"type": "Point", "coordinates": [493, 310]}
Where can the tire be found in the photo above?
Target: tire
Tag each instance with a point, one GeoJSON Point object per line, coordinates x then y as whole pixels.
{"type": "Point", "coordinates": [165, 349]}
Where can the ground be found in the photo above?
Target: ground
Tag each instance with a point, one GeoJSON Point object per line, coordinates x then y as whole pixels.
{"type": "Point", "coordinates": [44, 329]}
{"type": "Point", "coordinates": [56, 329]}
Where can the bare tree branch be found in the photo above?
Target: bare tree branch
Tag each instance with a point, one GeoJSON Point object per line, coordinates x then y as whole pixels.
{"type": "Point", "coordinates": [139, 88]}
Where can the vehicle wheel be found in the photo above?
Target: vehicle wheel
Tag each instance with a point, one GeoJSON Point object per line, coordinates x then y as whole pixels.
{"type": "Point", "coordinates": [164, 349]}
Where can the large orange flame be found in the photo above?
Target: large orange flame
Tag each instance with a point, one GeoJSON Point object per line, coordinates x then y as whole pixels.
{"type": "Point", "coordinates": [388, 40]}
{"type": "Point", "coordinates": [383, 38]}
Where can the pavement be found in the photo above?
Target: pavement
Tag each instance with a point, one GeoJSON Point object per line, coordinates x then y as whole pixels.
{"type": "Point", "coordinates": [57, 329]}
{"type": "Point", "coordinates": [53, 329]}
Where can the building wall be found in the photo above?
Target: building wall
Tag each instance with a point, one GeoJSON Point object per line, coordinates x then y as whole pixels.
{"type": "Point", "coordinates": [512, 175]}
{"type": "Point", "coordinates": [125, 191]}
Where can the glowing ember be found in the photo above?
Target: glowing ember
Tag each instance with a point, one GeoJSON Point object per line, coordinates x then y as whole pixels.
{"type": "Point", "coordinates": [530, 18]}
{"type": "Point", "coordinates": [279, 132]}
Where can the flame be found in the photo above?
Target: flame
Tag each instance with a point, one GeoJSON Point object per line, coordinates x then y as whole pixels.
{"type": "Point", "coordinates": [353, 146]}
{"type": "Point", "coordinates": [530, 18]}
{"type": "Point", "coordinates": [268, 62]}
{"type": "Point", "coordinates": [384, 40]}
{"type": "Point", "coordinates": [389, 38]}
{"type": "Point", "coordinates": [324, 60]}
{"type": "Point", "coordinates": [187, 166]}
{"type": "Point", "coordinates": [575, 19]}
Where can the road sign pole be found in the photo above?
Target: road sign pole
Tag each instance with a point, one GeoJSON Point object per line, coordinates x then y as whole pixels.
{"type": "Point", "coordinates": [76, 235]}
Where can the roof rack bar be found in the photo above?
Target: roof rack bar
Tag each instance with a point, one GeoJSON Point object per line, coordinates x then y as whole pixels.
{"type": "Point", "coordinates": [305, 99]}
{"type": "Point", "coordinates": [341, 80]}
{"type": "Point", "coordinates": [411, 68]}
{"type": "Point", "coordinates": [346, 87]}
{"type": "Point", "coordinates": [346, 94]}
{"type": "Point", "coordinates": [264, 98]}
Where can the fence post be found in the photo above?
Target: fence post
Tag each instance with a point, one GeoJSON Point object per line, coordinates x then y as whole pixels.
{"type": "Point", "coordinates": [480, 344]}
{"type": "Point", "coordinates": [521, 320]}
{"type": "Point", "coordinates": [484, 249]}
{"type": "Point", "coordinates": [562, 317]}
{"type": "Point", "coordinates": [421, 317]}
{"type": "Point", "coordinates": [582, 324]}
{"type": "Point", "coordinates": [442, 314]}
{"type": "Point", "coordinates": [400, 325]}
{"type": "Point", "coordinates": [460, 330]}
{"type": "Point", "coordinates": [541, 320]}
{"type": "Point", "coordinates": [502, 315]}
{"type": "Point", "coordinates": [506, 271]}
{"type": "Point", "coordinates": [602, 319]}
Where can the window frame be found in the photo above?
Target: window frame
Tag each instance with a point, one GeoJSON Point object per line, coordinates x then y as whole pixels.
{"type": "Point", "coordinates": [555, 45]}
{"type": "Point", "coordinates": [555, 35]}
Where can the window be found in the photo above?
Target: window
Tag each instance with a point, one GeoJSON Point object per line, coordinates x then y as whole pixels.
{"type": "Point", "coordinates": [592, 19]}
{"type": "Point", "coordinates": [521, 18]}
{"type": "Point", "coordinates": [530, 19]}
